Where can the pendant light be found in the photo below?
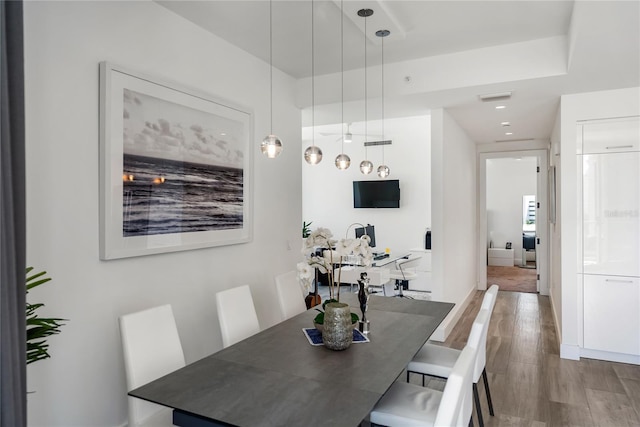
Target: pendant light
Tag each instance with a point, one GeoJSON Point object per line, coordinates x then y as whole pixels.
{"type": "Point", "coordinates": [271, 146]}
{"type": "Point", "coordinates": [313, 154]}
{"type": "Point", "coordinates": [342, 161]}
{"type": "Point", "coordinates": [365, 166]}
{"type": "Point", "coordinates": [383, 170]}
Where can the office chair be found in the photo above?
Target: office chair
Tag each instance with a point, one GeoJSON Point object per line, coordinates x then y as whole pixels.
{"type": "Point", "coordinates": [404, 271]}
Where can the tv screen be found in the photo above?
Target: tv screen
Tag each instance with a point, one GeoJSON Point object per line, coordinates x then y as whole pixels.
{"type": "Point", "coordinates": [376, 194]}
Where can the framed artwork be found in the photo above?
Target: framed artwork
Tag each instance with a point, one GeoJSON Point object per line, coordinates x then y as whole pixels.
{"type": "Point", "coordinates": [175, 167]}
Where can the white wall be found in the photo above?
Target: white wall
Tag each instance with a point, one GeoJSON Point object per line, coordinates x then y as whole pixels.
{"type": "Point", "coordinates": [508, 180]}
{"type": "Point", "coordinates": [583, 106]}
{"type": "Point", "coordinates": [328, 192]}
{"type": "Point", "coordinates": [83, 383]}
{"type": "Point", "coordinates": [555, 232]}
{"type": "Point", "coordinates": [454, 231]}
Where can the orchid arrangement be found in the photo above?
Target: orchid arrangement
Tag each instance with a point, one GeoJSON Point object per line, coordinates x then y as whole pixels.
{"type": "Point", "coordinates": [333, 253]}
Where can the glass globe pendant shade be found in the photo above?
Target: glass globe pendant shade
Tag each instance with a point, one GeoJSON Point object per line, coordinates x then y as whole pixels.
{"type": "Point", "coordinates": [343, 161]}
{"type": "Point", "coordinates": [271, 146]}
{"type": "Point", "coordinates": [366, 167]}
{"type": "Point", "coordinates": [313, 155]}
{"type": "Point", "coordinates": [383, 171]}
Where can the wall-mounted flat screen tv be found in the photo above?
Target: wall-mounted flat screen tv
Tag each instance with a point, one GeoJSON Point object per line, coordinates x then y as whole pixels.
{"type": "Point", "coordinates": [376, 194]}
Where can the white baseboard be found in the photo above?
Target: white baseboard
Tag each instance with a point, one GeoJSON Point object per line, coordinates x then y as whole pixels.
{"type": "Point", "coordinates": [449, 322]}
{"type": "Point", "coordinates": [555, 320]}
{"type": "Point", "coordinates": [568, 351]}
{"type": "Point", "coordinates": [612, 357]}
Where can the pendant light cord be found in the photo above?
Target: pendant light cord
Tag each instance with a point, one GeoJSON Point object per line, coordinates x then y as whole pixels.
{"type": "Point", "coordinates": [382, 70]}
{"type": "Point", "coordinates": [366, 133]}
{"type": "Point", "coordinates": [271, 61]}
{"type": "Point", "coordinates": [313, 84]}
{"type": "Point", "coordinates": [342, 70]}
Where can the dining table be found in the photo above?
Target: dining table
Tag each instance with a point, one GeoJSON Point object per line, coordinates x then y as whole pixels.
{"type": "Point", "coordinates": [277, 378]}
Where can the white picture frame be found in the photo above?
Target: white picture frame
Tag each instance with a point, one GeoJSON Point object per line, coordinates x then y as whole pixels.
{"type": "Point", "coordinates": [552, 194]}
{"type": "Point", "coordinates": [175, 167]}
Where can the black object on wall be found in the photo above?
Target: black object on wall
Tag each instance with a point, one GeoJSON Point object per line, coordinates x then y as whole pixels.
{"type": "Point", "coordinates": [376, 194]}
{"type": "Point", "coordinates": [427, 240]}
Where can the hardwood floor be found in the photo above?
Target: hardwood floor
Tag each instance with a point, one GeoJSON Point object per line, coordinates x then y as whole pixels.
{"type": "Point", "coordinates": [517, 279]}
{"type": "Point", "coordinates": [531, 385]}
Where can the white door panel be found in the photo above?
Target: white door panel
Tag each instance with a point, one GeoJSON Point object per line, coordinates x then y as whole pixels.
{"type": "Point", "coordinates": [612, 314]}
{"type": "Point", "coordinates": [611, 214]}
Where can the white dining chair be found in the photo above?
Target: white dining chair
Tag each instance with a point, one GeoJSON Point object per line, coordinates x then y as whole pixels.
{"type": "Point", "coordinates": [410, 405]}
{"type": "Point", "coordinates": [151, 347]}
{"type": "Point", "coordinates": [405, 271]}
{"type": "Point", "coordinates": [237, 315]}
{"type": "Point", "coordinates": [437, 361]}
{"type": "Point", "coordinates": [490, 296]}
{"type": "Point", "coordinates": [290, 296]}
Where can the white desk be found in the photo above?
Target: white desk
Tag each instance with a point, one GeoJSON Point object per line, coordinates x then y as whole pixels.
{"type": "Point", "coordinates": [351, 274]}
{"type": "Point", "coordinates": [390, 259]}
{"type": "Point", "coordinates": [378, 273]}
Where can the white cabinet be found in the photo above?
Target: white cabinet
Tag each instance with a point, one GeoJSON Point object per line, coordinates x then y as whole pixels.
{"type": "Point", "coordinates": [423, 270]}
{"type": "Point", "coordinates": [609, 236]}
{"type": "Point", "coordinates": [612, 313]}
{"type": "Point", "coordinates": [610, 136]}
{"type": "Point", "coordinates": [500, 257]}
{"type": "Point", "coordinates": [611, 217]}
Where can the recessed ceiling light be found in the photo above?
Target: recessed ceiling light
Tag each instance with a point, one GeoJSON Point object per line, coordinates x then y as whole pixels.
{"type": "Point", "coordinates": [500, 107]}
{"type": "Point", "coordinates": [223, 134]}
{"type": "Point", "coordinates": [505, 124]}
{"type": "Point", "coordinates": [508, 133]}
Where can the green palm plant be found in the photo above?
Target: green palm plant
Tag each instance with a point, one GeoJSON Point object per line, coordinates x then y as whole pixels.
{"type": "Point", "coordinates": [305, 229]}
{"type": "Point", "coordinates": [38, 328]}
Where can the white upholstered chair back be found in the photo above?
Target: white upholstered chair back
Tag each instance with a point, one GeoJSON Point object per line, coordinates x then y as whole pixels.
{"type": "Point", "coordinates": [457, 398]}
{"type": "Point", "coordinates": [478, 340]}
{"type": "Point", "coordinates": [237, 314]}
{"type": "Point", "coordinates": [152, 349]}
{"type": "Point", "coordinates": [489, 300]}
{"type": "Point", "coordinates": [290, 295]}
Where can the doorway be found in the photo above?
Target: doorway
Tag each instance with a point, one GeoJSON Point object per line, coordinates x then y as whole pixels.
{"type": "Point", "coordinates": [528, 250]}
{"type": "Point", "coordinates": [513, 221]}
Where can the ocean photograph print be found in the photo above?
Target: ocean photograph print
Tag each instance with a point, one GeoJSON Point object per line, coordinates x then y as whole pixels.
{"type": "Point", "coordinates": [175, 167]}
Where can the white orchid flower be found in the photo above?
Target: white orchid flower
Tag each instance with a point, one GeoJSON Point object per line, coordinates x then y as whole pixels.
{"type": "Point", "coordinates": [306, 274]}
{"type": "Point", "coordinates": [320, 263]}
{"type": "Point", "coordinates": [348, 246]}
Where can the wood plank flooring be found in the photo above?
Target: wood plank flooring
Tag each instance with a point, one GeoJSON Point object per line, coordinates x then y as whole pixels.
{"type": "Point", "coordinates": [531, 385]}
{"type": "Point", "coordinates": [517, 279]}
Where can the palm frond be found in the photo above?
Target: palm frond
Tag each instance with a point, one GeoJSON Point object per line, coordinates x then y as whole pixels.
{"type": "Point", "coordinates": [38, 328]}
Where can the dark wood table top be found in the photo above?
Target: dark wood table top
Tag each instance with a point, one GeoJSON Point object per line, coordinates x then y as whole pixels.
{"type": "Point", "coordinates": [276, 378]}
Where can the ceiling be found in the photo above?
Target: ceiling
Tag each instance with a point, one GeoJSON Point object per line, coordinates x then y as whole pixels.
{"type": "Point", "coordinates": [452, 51]}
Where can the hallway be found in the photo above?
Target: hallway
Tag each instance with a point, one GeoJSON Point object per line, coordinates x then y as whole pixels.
{"type": "Point", "coordinates": [531, 385]}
